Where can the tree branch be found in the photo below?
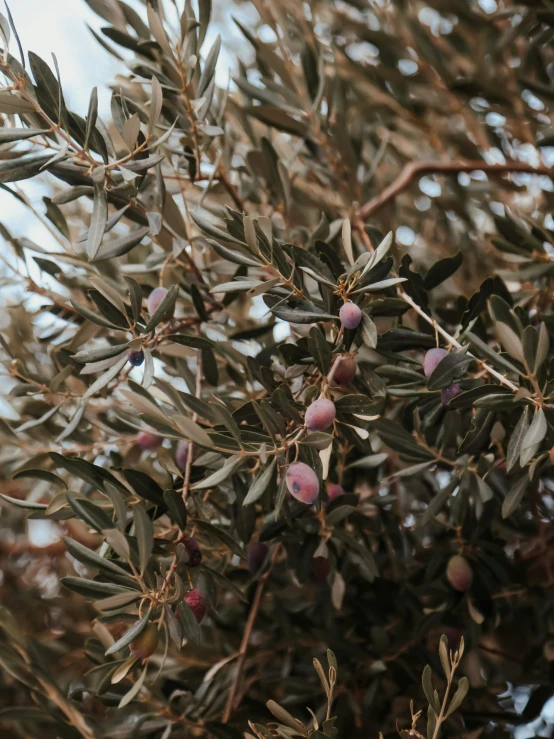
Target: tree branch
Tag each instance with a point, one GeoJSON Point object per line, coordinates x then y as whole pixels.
{"type": "Point", "coordinates": [415, 169]}
{"type": "Point", "coordinates": [246, 638]}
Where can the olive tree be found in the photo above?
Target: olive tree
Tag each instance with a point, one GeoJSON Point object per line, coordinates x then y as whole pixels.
{"type": "Point", "coordinates": [281, 392]}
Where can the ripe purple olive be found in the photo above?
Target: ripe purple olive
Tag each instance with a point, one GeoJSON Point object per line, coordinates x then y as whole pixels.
{"type": "Point", "coordinates": [136, 357]}
{"type": "Point", "coordinates": [345, 371]}
{"type": "Point", "coordinates": [146, 642]}
{"type": "Point", "coordinates": [350, 315]}
{"type": "Point", "coordinates": [155, 298]}
{"type": "Point", "coordinates": [257, 557]}
{"type": "Point", "coordinates": [197, 603]}
{"type": "Point", "coordinates": [459, 573]}
{"type": "Point", "coordinates": [431, 359]}
{"type": "Point", "coordinates": [447, 393]}
{"type": "Point", "coordinates": [334, 490]}
{"type": "Point", "coordinates": [302, 483]}
{"type": "Point", "coordinates": [182, 455]}
{"type": "Point", "coordinates": [148, 442]}
{"type": "Point", "coordinates": [320, 570]}
{"type": "Point", "coordinates": [193, 550]}
{"type": "Point", "coordinates": [320, 414]}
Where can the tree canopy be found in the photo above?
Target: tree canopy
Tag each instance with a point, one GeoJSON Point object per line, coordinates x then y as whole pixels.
{"type": "Point", "coordinates": [282, 394]}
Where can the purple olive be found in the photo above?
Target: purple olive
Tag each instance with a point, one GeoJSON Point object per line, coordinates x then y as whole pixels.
{"type": "Point", "coordinates": [302, 483]}
{"type": "Point", "coordinates": [447, 393]}
{"type": "Point", "coordinates": [334, 490]}
{"type": "Point", "coordinates": [459, 573]}
{"type": "Point", "coordinates": [146, 642]}
{"type": "Point", "coordinates": [148, 442]}
{"type": "Point", "coordinates": [155, 298]}
{"type": "Point", "coordinates": [136, 357]}
{"type": "Point", "coordinates": [350, 315]}
{"type": "Point", "coordinates": [197, 603]}
{"type": "Point", "coordinates": [431, 359]}
{"type": "Point", "coordinates": [320, 414]}
{"type": "Point", "coordinates": [193, 550]}
{"type": "Point", "coordinates": [257, 557]}
{"type": "Point", "coordinates": [345, 371]}
{"type": "Point", "coordinates": [182, 455]}
{"type": "Point", "coordinates": [320, 570]}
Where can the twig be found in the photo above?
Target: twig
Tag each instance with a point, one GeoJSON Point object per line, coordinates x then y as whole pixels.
{"type": "Point", "coordinates": [246, 637]}
{"type": "Point", "coordinates": [453, 342]}
{"type": "Point", "coordinates": [231, 189]}
{"type": "Point", "coordinates": [415, 169]}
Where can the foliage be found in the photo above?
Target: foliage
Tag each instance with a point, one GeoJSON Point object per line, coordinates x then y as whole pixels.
{"type": "Point", "coordinates": [154, 429]}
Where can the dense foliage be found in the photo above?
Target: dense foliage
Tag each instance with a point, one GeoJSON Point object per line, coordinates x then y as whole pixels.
{"type": "Point", "coordinates": [282, 392]}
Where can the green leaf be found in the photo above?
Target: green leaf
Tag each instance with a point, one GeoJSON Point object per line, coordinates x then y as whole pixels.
{"type": "Point", "coordinates": [516, 439]}
{"type": "Point", "coordinates": [90, 513]}
{"type": "Point", "coordinates": [166, 306]}
{"type": "Point", "coordinates": [542, 349]}
{"type": "Point", "coordinates": [23, 167]}
{"type": "Point", "coordinates": [86, 556]}
{"type": "Point", "coordinates": [442, 270]}
{"type": "Point", "coordinates": [449, 369]}
{"type": "Point", "coordinates": [369, 331]}
{"type": "Point", "coordinates": [176, 507]}
{"type": "Point", "coordinates": [222, 536]}
{"type": "Point", "coordinates": [145, 487]}
{"type": "Point", "coordinates": [7, 135]}
{"type": "Point", "coordinates": [15, 105]}
{"type": "Point", "coordinates": [93, 589]}
{"type": "Point", "coordinates": [459, 695]}
{"type": "Point", "coordinates": [27, 505]}
{"type": "Point", "coordinates": [99, 214]}
{"type": "Point", "coordinates": [189, 624]}
{"type": "Point", "coordinates": [319, 349]}
{"type": "Point", "coordinates": [40, 475]}
{"type": "Point", "coordinates": [122, 245]}
{"type": "Point", "coordinates": [533, 438]}
{"type": "Point", "coordinates": [92, 115]}
{"type": "Point", "coordinates": [209, 67]}
{"type": "Point", "coordinates": [428, 689]}
{"type": "Point", "coordinates": [106, 378]}
{"type": "Point", "coordinates": [515, 496]}
{"type": "Point", "coordinates": [260, 484]}
{"type": "Point", "coordinates": [192, 431]}
{"type": "Point", "coordinates": [135, 630]}
{"type": "Point", "coordinates": [196, 342]}
{"type": "Point", "coordinates": [144, 532]}
{"type": "Point", "coordinates": [510, 341]}
{"type": "Point", "coordinates": [230, 466]}
{"type": "Point", "coordinates": [444, 657]}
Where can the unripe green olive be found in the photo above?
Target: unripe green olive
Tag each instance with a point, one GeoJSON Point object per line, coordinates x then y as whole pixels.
{"type": "Point", "coordinates": [146, 642]}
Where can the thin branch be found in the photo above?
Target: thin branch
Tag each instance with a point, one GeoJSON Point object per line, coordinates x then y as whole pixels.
{"type": "Point", "coordinates": [453, 342]}
{"type": "Point", "coordinates": [416, 169]}
{"type": "Point", "coordinates": [229, 707]}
